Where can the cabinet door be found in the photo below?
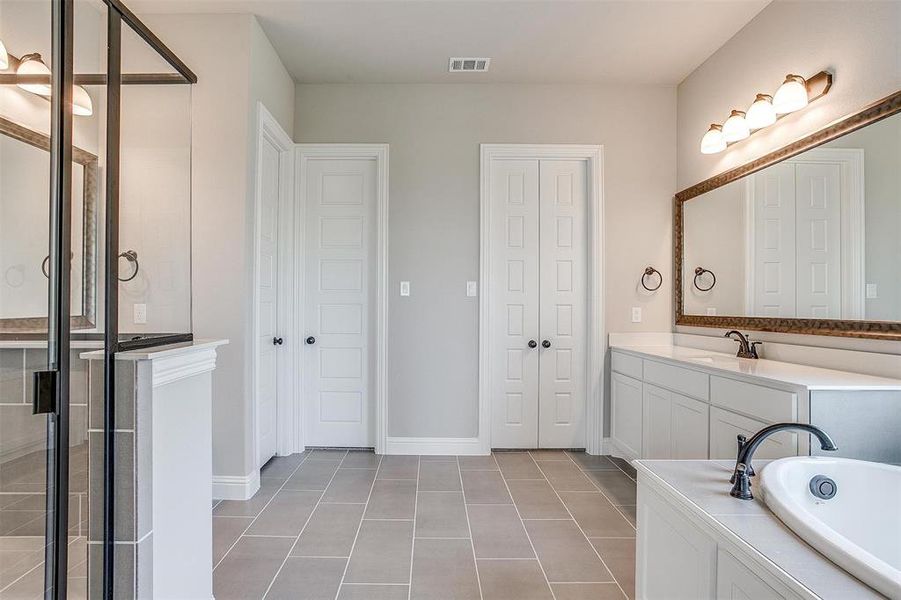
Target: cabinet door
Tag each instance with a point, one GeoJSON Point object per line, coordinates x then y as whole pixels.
{"type": "Point", "coordinates": [689, 428]}
{"type": "Point", "coordinates": [725, 427]}
{"type": "Point", "coordinates": [656, 429]}
{"type": "Point", "coordinates": [625, 414]}
{"type": "Point", "coordinates": [734, 581]}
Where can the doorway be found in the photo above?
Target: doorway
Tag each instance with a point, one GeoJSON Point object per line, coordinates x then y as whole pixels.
{"type": "Point", "coordinates": [541, 278]}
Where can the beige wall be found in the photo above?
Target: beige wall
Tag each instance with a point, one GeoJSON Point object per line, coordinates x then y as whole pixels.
{"type": "Point", "coordinates": [434, 132]}
{"type": "Point", "coordinates": [235, 68]}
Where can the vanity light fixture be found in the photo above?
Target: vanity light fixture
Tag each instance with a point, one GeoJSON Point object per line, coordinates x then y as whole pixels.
{"type": "Point", "coordinates": [713, 141]}
{"type": "Point", "coordinates": [81, 102]}
{"type": "Point", "coordinates": [794, 94]}
{"type": "Point", "coordinates": [4, 57]}
{"type": "Point", "coordinates": [736, 127]}
{"type": "Point", "coordinates": [33, 64]}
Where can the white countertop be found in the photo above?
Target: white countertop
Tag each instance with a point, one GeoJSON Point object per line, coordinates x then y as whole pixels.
{"type": "Point", "coordinates": [702, 487]}
{"type": "Point", "coordinates": [812, 378]}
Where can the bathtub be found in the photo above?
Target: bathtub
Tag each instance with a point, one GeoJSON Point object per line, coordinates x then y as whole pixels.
{"type": "Point", "coordinates": [859, 528]}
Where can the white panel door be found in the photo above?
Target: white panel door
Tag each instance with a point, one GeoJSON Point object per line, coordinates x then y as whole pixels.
{"type": "Point", "coordinates": [514, 305]}
{"type": "Point", "coordinates": [818, 226]}
{"type": "Point", "coordinates": [563, 282]}
{"type": "Point", "coordinates": [339, 300]}
{"type": "Point", "coordinates": [267, 294]}
{"type": "Point", "coordinates": [774, 242]}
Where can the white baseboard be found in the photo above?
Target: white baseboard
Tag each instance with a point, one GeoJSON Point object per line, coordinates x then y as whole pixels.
{"type": "Point", "coordinates": [611, 448]}
{"type": "Point", "coordinates": [236, 487]}
{"type": "Point", "coordinates": [411, 445]}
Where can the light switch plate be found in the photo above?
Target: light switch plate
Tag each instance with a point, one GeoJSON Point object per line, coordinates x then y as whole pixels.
{"type": "Point", "coordinates": [871, 291]}
{"type": "Point", "coordinates": [140, 314]}
{"type": "Point", "coordinates": [471, 289]}
{"type": "Point", "coordinates": [636, 314]}
{"type": "Point", "coordinates": [404, 288]}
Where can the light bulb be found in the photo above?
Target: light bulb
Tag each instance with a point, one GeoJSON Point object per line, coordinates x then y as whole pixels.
{"type": "Point", "coordinates": [791, 95]}
{"type": "Point", "coordinates": [4, 57]}
{"type": "Point", "coordinates": [81, 102]}
{"type": "Point", "coordinates": [761, 113]}
{"type": "Point", "coordinates": [713, 141]}
{"type": "Point", "coordinates": [736, 128]}
{"type": "Point", "coordinates": [32, 64]}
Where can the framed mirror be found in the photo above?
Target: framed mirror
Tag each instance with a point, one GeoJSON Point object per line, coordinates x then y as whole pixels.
{"type": "Point", "coordinates": [803, 240]}
{"type": "Point", "coordinates": [24, 189]}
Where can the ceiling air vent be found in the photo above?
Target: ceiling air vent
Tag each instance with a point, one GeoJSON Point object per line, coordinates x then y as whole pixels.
{"type": "Point", "coordinates": [469, 65]}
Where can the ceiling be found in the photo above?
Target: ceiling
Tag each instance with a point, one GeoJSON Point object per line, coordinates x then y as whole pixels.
{"type": "Point", "coordinates": [546, 41]}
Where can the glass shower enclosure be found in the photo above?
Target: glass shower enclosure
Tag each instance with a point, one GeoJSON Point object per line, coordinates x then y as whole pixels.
{"type": "Point", "coordinates": [95, 242]}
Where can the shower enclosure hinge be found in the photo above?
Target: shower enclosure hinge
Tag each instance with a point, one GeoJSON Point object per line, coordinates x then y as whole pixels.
{"type": "Point", "coordinates": [44, 399]}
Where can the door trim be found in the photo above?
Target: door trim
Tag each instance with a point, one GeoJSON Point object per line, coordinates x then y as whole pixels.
{"type": "Point", "coordinates": [596, 342]}
{"type": "Point", "coordinates": [270, 131]}
{"type": "Point", "coordinates": [379, 153]}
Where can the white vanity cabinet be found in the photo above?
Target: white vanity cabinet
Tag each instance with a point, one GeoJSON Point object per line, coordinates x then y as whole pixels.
{"type": "Point", "coordinates": [673, 425]}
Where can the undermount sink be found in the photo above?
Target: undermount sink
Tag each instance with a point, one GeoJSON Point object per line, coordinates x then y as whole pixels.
{"type": "Point", "coordinates": [858, 528]}
{"type": "Point", "coordinates": [714, 359]}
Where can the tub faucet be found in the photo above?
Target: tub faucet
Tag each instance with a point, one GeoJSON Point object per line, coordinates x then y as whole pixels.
{"type": "Point", "coordinates": [746, 348]}
{"type": "Point", "coordinates": [741, 477]}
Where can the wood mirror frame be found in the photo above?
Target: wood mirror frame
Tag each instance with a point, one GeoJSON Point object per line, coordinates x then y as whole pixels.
{"type": "Point", "coordinates": [890, 330]}
{"type": "Point", "coordinates": [87, 318]}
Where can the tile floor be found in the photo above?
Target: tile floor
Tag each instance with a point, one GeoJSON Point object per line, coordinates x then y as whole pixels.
{"type": "Point", "coordinates": [342, 525]}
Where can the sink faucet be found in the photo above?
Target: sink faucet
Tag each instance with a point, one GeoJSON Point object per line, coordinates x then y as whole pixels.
{"type": "Point", "coordinates": [746, 348]}
{"type": "Point", "coordinates": [741, 478]}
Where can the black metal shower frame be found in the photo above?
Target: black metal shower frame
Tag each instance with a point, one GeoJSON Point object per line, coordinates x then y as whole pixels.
{"type": "Point", "coordinates": [59, 333]}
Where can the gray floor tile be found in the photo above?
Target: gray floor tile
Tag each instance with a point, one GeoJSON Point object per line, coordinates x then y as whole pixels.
{"type": "Point", "coordinates": [513, 579]}
{"type": "Point", "coordinates": [361, 460]}
{"type": "Point", "coordinates": [248, 508]}
{"type": "Point", "coordinates": [619, 555]}
{"type": "Point", "coordinates": [630, 512]}
{"type": "Point", "coordinates": [625, 466]}
{"type": "Point", "coordinates": [565, 554]}
{"type": "Point", "coordinates": [439, 477]}
{"type": "Point", "coordinates": [485, 487]}
{"type": "Point", "coordinates": [441, 514]}
{"type": "Point", "coordinates": [330, 531]}
{"type": "Point", "coordinates": [616, 485]}
{"type": "Point", "coordinates": [327, 454]}
{"type": "Point", "coordinates": [399, 467]}
{"type": "Point", "coordinates": [590, 462]}
{"type": "Point", "coordinates": [312, 475]}
{"type": "Point", "coordinates": [536, 499]}
{"type": "Point", "coordinates": [443, 569]}
{"type": "Point", "coordinates": [392, 499]}
{"type": "Point", "coordinates": [549, 455]}
{"type": "Point", "coordinates": [478, 463]}
{"type": "Point", "coordinates": [281, 467]}
{"type": "Point", "coordinates": [517, 465]}
{"type": "Point", "coordinates": [497, 532]}
{"type": "Point", "coordinates": [248, 569]}
{"type": "Point", "coordinates": [363, 591]}
{"type": "Point", "coordinates": [382, 553]}
{"type": "Point", "coordinates": [596, 516]}
{"type": "Point", "coordinates": [438, 458]}
{"type": "Point", "coordinates": [286, 514]}
{"type": "Point", "coordinates": [587, 591]}
{"type": "Point", "coordinates": [226, 531]}
{"type": "Point", "coordinates": [350, 485]}
{"type": "Point", "coordinates": [308, 579]}
{"type": "Point", "coordinates": [566, 476]}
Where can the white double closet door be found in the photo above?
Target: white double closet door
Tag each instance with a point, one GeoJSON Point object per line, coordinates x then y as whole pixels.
{"type": "Point", "coordinates": [538, 305]}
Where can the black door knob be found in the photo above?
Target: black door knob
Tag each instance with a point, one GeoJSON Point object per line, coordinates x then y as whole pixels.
{"type": "Point", "coordinates": [533, 344]}
{"type": "Point", "coordinates": [546, 344]}
{"type": "Point", "coordinates": [278, 341]}
{"type": "Point", "coordinates": [310, 340]}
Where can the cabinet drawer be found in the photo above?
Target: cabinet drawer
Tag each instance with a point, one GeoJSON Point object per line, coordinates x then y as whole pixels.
{"type": "Point", "coordinates": [626, 364]}
{"type": "Point", "coordinates": [757, 401]}
{"type": "Point", "coordinates": [726, 425]}
{"type": "Point", "coordinates": [685, 381]}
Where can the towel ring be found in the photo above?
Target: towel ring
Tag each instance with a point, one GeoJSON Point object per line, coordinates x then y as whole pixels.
{"type": "Point", "coordinates": [700, 271]}
{"type": "Point", "coordinates": [46, 262]}
{"type": "Point", "coordinates": [649, 271]}
{"type": "Point", "coordinates": [132, 257]}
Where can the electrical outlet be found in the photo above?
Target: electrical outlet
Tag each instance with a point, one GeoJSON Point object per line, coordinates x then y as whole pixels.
{"type": "Point", "coordinates": [140, 314]}
{"type": "Point", "coordinates": [471, 289]}
{"type": "Point", "coordinates": [404, 288]}
{"type": "Point", "coordinates": [871, 291]}
{"type": "Point", "coordinates": [636, 314]}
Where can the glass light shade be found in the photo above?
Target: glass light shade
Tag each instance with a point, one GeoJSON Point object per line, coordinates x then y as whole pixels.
{"type": "Point", "coordinates": [4, 57]}
{"type": "Point", "coordinates": [791, 95]}
{"type": "Point", "coordinates": [713, 141]}
{"type": "Point", "coordinates": [81, 102]}
{"type": "Point", "coordinates": [33, 65]}
{"type": "Point", "coordinates": [761, 113]}
{"type": "Point", "coordinates": [736, 128]}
